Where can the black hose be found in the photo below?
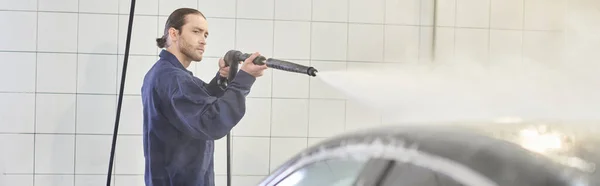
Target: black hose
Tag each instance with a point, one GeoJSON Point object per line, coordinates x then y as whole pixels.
{"type": "Point", "coordinates": [120, 102]}
{"type": "Point", "coordinates": [230, 59]}
{"type": "Point", "coordinates": [233, 69]}
{"type": "Point", "coordinates": [229, 158]}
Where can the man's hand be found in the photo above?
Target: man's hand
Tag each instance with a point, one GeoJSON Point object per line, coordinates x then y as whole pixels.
{"type": "Point", "coordinates": [223, 71]}
{"type": "Point", "coordinates": [251, 68]}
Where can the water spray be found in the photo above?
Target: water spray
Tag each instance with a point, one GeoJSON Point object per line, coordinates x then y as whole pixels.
{"type": "Point", "coordinates": [233, 58]}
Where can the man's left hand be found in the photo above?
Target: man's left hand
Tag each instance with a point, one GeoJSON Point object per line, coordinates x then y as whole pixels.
{"type": "Point", "coordinates": [223, 71]}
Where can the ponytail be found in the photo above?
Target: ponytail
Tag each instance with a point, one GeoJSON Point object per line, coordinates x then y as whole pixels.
{"type": "Point", "coordinates": [161, 42]}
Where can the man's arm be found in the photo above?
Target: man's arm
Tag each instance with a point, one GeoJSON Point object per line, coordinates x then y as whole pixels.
{"type": "Point", "coordinates": [203, 116]}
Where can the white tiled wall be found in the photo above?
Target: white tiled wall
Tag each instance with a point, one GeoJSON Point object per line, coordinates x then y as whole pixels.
{"type": "Point", "coordinates": [62, 61]}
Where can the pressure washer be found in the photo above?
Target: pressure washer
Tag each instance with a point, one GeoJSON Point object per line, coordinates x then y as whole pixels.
{"type": "Point", "coordinates": [233, 57]}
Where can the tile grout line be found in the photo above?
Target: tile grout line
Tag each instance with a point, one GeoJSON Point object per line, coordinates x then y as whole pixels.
{"type": "Point", "coordinates": [68, 134]}
{"type": "Point", "coordinates": [420, 29]}
{"type": "Point", "coordinates": [565, 43]}
{"type": "Point", "coordinates": [117, 86]}
{"type": "Point", "coordinates": [100, 174]}
{"type": "Point", "coordinates": [489, 51]}
{"type": "Point", "coordinates": [384, 25]}
{"type": "Point", "coordinates": [523, 33]}
{"type": "Point", "coordinates": [35, 100]}
{"type": "Point", "coordinates": [272, 85]}
{"type": "Point", "coordinates": [158, 30]}
{"type": "Point", "coordinates": [455, 30]}
{"type": "Point", "coordinates": [565, 29]}
{"type": "Point", "coordinates": [384, 32]}
{"type": "Point", "coordinates": [232, 155]}
{"type": "Point", "coordinates": [134, 135]}
{"type": "Point", "coordinates": [346, 60]}
{"type": "Point", "coordinates": [310, 35]}
{"type": "Point", "coordinates": [83, 53]}
{"type": "Point", "coordinates": [434, 32]}
{"type": "Point", "coordinates": [215, 17]}
{"type": "Point", "coordinates": [292, 20]}
{"type": "Point", "coordinates": [195, 65]}
{"type": "Point", "coordinates": [215, 57]}
{"type": "Point", "coordinates": [76, 96]}
{"type": "Point", "coordinates": [138, 95]}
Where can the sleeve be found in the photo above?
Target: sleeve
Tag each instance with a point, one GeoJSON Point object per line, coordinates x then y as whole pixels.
{"type": "Point", "coordinates": [202, 116]}
{"type": "Point", "coordinates": [214, 88]}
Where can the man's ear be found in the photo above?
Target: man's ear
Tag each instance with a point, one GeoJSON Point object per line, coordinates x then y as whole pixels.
{"type": "Point", "coordinates": [173, 34]}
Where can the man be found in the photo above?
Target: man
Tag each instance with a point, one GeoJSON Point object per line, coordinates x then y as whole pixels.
{"type": "Point", "coordinates": [183, 115]}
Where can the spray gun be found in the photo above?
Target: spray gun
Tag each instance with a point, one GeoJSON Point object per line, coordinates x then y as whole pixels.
{"type": "Point", "coordinates": [233, 57]}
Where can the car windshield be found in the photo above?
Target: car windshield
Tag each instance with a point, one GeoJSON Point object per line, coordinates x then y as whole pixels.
{"type": "Point", "coordinates": [333, 172]}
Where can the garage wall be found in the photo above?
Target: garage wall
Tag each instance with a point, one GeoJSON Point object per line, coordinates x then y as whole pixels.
{"type": "Point", "coordinates": [62, 62]}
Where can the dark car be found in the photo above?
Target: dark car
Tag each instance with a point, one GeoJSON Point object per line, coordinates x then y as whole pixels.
{"type": "Point", "coordinates": [495, 154]}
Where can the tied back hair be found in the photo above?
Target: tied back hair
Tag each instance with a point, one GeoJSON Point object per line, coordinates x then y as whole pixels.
{"type": "Point", "coordinates": [176, 20]}
{"type": "Point", "coordinates": [162, 41]}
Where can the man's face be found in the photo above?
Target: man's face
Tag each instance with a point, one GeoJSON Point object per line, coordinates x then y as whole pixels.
{"type": "Point", "coordinates": [192, 40]}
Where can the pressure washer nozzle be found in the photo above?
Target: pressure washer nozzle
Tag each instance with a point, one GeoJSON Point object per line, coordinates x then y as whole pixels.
{"type": "Point", "coordinates": [312, 71]}
{"type": "Point", "coordinates": [290, 67]}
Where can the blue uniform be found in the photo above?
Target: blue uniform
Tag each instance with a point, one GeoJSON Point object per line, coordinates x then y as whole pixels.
{"type": "Point", "coordinates": [183, 116]}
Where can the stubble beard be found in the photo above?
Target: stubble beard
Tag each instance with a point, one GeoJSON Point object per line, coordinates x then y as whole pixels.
{"type": "Point", "coordinates": [189, 51]}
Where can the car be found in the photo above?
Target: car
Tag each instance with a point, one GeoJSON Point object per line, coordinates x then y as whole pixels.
{"type": "Point", "coordinates": [470, 154]}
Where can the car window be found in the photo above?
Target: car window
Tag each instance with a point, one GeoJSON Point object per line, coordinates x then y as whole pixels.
{"type": "Point", "coordinates": [404, 174]}
{"type": "Point", "coordinates": [333, 172]}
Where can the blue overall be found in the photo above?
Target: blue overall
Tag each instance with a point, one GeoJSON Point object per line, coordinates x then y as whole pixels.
{"type": "Point", "coordinates": [183, 116]}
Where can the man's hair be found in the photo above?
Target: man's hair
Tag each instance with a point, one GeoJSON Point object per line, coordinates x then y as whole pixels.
{"type": "Point", "coordinates": [176, 20]}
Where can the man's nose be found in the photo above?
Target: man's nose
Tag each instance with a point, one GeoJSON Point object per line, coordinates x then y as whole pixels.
{"type": "Point", "coordinates": [203, 40]}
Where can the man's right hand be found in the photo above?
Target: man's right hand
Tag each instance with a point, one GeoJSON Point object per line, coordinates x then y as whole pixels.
{"type": "Point", "coordinates": [249, 67]}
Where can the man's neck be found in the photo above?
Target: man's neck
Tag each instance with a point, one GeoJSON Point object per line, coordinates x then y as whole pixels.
{"type": "Point", "coordinates": [180, 57]}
